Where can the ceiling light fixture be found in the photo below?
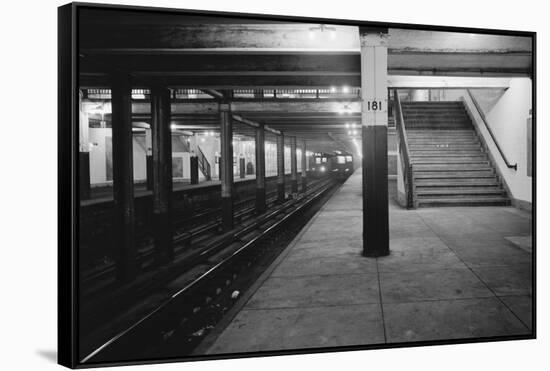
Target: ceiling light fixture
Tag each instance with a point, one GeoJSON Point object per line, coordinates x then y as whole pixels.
{"type": "Point", "coordinates": [323, 28]}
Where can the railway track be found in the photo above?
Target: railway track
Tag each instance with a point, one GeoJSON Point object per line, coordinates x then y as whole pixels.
{"type": "Point", "coordinates": [216, 275]}
{"type": "Point", "coordinates": [186, 231]}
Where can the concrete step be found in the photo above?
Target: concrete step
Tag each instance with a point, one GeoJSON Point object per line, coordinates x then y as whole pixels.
{"type": "Point", "coordinates": [435, 126]}
{"type": "Point", "coordinates": [449, 157]}
{"type": "Point", "coordinates": [440, 116]}
{"type": "Point", "coordinates": [444, 146]}
{"type": "Point", "coordinates": [412, 134]}
{"type": "Point", "coordinates": [434, 112]}
{"type": "Point", "coordinates": [453, 174]}
{"type": "Point", "coordinates": [459, 191]}
{"type": "Point", "coordinates": [464, 201]}
{"type": "Point", "coordinates": [446, 152]}
{"type": "Point", "coordinates": [437, 122]}
{"type": "Point", "coordinates": [451, 167]}
{"type": "Point", "coordinates": [442, 140]}
{"type": "Point", "coordinates": [458, 182]}
{"type": "Point", "coordinates": [431, 105]}
{"type": "Point", "coordinates": [449, 161]}
{"type": "Point", "coordinates": [428, 105]}
{"type": "Point", "coordinates": [441, 133]}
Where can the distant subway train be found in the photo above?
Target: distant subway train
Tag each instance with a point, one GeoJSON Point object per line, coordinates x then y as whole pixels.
{"type": "Point", "coordinates": [337, 165]}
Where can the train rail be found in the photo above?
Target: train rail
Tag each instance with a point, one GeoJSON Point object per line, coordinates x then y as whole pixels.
{"type": "Point", "coordinates": [217, 273]}
{"type": "Point", "coordinates": [186, 230]}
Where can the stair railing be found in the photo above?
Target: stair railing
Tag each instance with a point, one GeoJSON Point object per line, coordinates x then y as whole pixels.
{"type": "Point", "coordinates": [484, 119]}
{"type": "Point", "coordinates": [204, 165]}
{"type": "Point", "coordinates": [404, 152]}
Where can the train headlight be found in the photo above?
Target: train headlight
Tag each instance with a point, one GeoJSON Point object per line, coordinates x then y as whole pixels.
{"type": "Point", "coordinates": [322, 169]}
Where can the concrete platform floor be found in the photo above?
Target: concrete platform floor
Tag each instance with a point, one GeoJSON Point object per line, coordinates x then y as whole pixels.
{"type": "Point", "coordinates": [453, 273]}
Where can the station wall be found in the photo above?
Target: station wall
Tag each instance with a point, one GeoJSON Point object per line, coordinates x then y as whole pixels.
{"type": "Point", "coordinates": [100, 140]}
{"type": "Point", "coordinates": [508, 115]}
{"type": "Point", "coordinates": [509, 118]}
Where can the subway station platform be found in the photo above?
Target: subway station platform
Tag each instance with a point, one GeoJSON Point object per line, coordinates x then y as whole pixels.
{"type": "Point", "coordinates": [105, 194]}
{"type": "Point", "coordinates": [453, 273]}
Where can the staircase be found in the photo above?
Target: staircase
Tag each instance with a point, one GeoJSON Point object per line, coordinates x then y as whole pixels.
{"type": "Point", "coordinates": [204, 165]}
{"type": "Point", "coordinates": [450, 166]}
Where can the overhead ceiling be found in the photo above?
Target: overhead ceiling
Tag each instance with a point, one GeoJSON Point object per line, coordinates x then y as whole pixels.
{"type": "Point", "coordinates": [189, 51]}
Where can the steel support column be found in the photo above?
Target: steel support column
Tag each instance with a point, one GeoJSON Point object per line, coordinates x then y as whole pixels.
{"type": "Point", "coordinates": [226, 143]}
{"type": "Point", "coordinates": [149, 158]}
{"type": "Point", "coordinates": [162, 174]}
{"type": "Point", "coordinates": [304, 167]}
{"type": "Point", "coordinates": [374, 94]}
{"type": "Point", "coordinates": [83, 152]}
{"type": "Point", "coordinates": [242, 167]}
{"type": "Point", "coordinates": [293, 166]}
{"type": "Point", "coordinates": [194, 169]}
{"type": "Point", "coordinates": [123, 179]}
{"type": "Point", "coordinates": [260, 169]}
{"type": "Point", "coordinates": [281, 167]}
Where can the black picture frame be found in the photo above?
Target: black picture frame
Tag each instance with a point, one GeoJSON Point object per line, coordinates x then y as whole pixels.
{"type": "Point", "coordinates": [68, 184]}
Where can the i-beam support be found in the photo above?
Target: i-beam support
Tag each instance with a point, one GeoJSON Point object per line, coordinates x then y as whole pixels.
{"type": "Point", "coordinates": [123, 179]}
{"type": "Point", "coordinates": [293, 166]}
{"type": "Point", "coordinates": [260, 169]}
{"type": "Point", "coordinates": [304, 167]}
{"type": "Point", "coordinates": [281, 168]}
{"type": "Point", "coordinates": [226, 141]}
{"type": "Point", "coordinates": [161, 137]}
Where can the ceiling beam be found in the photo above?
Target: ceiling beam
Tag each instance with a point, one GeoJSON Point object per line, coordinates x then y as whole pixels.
{"type": "Point", "coordinates": [255, 124]}
{"type": "Point", "coordinates": [214, 93]}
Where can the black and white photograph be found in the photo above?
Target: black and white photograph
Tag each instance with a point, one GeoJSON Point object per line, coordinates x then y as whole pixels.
{"type": "Point", "coordinates": [253, 185]}
{"type": "Point", "coordinates": [247, 185]}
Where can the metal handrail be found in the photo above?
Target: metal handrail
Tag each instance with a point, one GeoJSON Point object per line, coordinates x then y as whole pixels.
{"type": "Point", "coordinates": [484, 119]}
{"type": "Point", "coordinates": [204, 164]}
{"type": "Point", "coordinates": [404, 150]}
